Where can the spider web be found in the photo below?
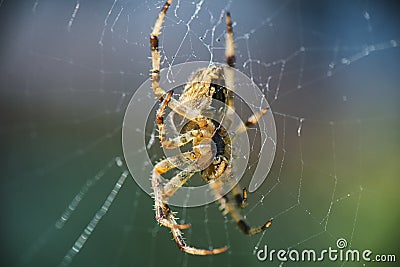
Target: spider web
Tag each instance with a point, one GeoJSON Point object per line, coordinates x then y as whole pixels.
{"type": "Point", "coordinates": [329, 70]}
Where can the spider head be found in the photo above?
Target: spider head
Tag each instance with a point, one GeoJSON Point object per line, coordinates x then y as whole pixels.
{"type": "Point", "coordinates": [220, 93]}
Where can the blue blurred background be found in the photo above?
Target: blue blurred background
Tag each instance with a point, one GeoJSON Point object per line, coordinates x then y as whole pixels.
{"type": "Point", "coordinates": [329, 69]}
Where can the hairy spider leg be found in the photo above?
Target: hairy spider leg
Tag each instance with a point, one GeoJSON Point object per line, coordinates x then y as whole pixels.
{"type": "Point", "coordinates": [162, 210]}
{"type": "Point", "coordinates": [164, 215]}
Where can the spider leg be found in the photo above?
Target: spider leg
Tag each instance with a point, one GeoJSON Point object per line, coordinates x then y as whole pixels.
{"type": "Point", "coordinates": [162, 209]}
{"type": "Point", "coordinates": [155, 53]}
{"type": "Point", "coordinates": [156, 62]}
{"type": "Point", "coordinates": [230, 76]}
{"type": "Point", "coordinates": [164, 215]}
{"type": "Point", "coordinates": [178, 141]}
{"type": "Point", "coordinates": [177, 182]}
{"type": "Point", "coordinates": [230, 45]}
{"type": "Point", "coordinates": [226, 206]}
{"type": "Point", "coordinates": [183, 177]}
{"type": "Point", "coordinates": [250, 121]}
{"type": "Point", "coordinates": [188, 249]}
{"type": "Point", "coordinates": [230, 60]}
{"type": "Point", "coordinates": [178, 234]}
{"type": "Point", "coordinates": [240, 196]}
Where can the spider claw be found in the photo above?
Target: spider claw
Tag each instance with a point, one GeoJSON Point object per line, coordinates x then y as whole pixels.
{"type": "Point", "coordinates": [182, 245]}
{"type": "Point", "coordinates": [244, 203]}
{"type": "Point", "coordinates": [196, 251]}
{"type": "Point", "coordinates": [266, 225]}
{"type": "Point", "coordinates": [179, 226]}
{"type": "Point", "coordinates": [219, 250]}
{"type": "Point", "coordinates": [174, 226]}
{"type": "Point", "coordinates": [183, 226]}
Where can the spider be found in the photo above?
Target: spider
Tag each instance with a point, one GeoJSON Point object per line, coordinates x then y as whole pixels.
{"type": "Point", "coordinates": [197, 95]}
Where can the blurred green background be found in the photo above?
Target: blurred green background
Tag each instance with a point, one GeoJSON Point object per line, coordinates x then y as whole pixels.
{"type": "Point", "coordinates": [66, 80]}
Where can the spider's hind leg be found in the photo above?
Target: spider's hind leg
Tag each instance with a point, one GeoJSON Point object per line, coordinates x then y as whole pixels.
{"type": "Point", "coordinates": [163, 211]}
{"type": "Point", "coordinates": [226, 206]}
{"type": "Point", "coordinates": [182, 245]}
{"type": "Point", "coordinates": [239, 219]}
{"type": "Point", "coordinates": [240, 196]}
{"type": "Point", "coordinates": [164, 215]}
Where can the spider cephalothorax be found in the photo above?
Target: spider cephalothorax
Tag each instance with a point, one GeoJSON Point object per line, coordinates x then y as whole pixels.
{"type": "Point", "coordinates": [211, 150]}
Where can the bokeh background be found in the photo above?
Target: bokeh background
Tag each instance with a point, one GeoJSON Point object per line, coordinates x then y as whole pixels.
{"type": "Point", "coordinates": [329, 69]}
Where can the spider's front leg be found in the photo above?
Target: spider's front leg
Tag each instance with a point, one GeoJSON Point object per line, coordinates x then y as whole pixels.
{"type": "Point", "coordinates": [181, 139]}
{"type": "Point", "coordinates": [156, 63]}
{"type": "Point", "coordinates": [155, 53]}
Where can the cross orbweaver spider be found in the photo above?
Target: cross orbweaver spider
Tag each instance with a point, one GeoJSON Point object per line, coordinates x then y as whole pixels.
{"type": "Point", "coordinates": [197, 96]}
